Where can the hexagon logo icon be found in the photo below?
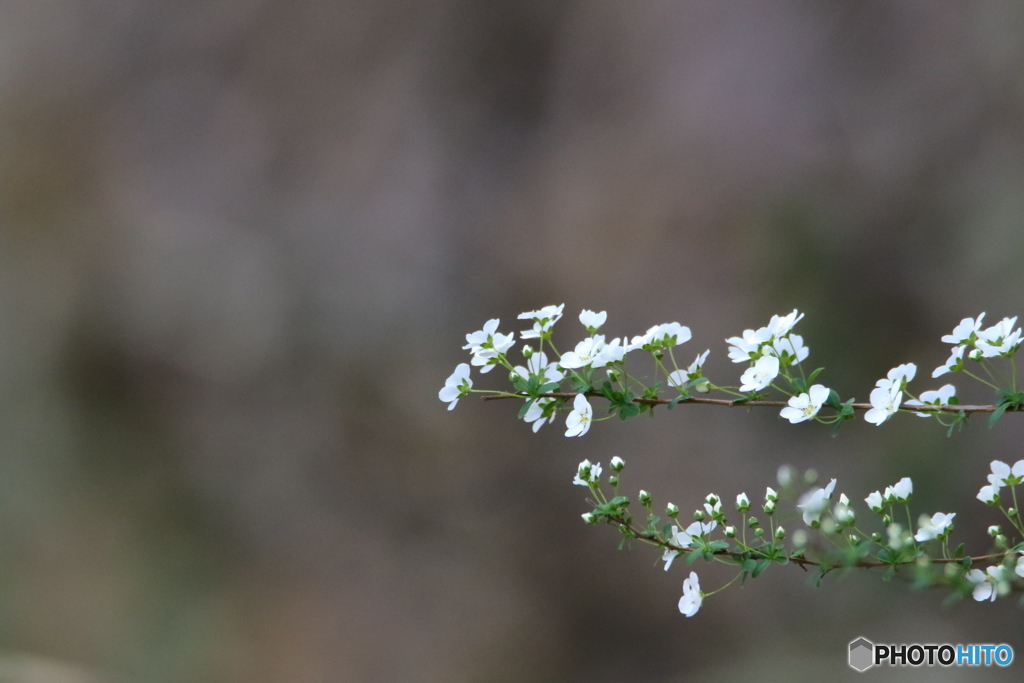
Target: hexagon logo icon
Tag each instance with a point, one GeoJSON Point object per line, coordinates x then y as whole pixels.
{"type": "Point", "coordinates": [862, 654]}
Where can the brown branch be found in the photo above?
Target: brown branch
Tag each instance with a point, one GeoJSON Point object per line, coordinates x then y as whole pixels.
{"type": "Point", "coordinates": [968, 409]}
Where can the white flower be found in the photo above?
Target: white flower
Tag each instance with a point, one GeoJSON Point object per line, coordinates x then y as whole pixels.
{"type": "Point", "coordinates": [814, 502]}
{"type": "Point", "coordinates": [697, 365]}
{"type": "Point", "coordinates": [989, 494]}
{"type": "Point", "coordinates": [487, 344]}
{"type": "Point", "coordinates": [989, 584]}
{"type": "Point", "coordinates": [672, 334]}
{"type": "Point", "coordinates": [587, 473]}
{"type": "Point", "coordinates": [843, 513]}
{"type": "Point", "coordinates": [779, 327]}
{"type": "Point", "coordinates": [456, 386]}
{"type": "Point", "coordinates": [578, 421]}
{"type": "Point", "coordinates": [936, 526]}
{"type": "Point", "coordinates": [1019, 569]}
{"type": "Point", "coordinates": [965, 332]}
{"type": "Point", "coordinates": [543, 320]}
{"type": "Point", "coordinates": [902, 489]}
{"type": "Point", "coordinates": [692, 597]}
{"type": "Point", "coordinates": [685, 539]}
{"type": "Point", "coordinates": [536, 413]}
{"type": "Point", "coordinates": [897, 375]}
{"type": "Point", "coordinates": [748, 347]}
{"type": "Point", "coordinates": [479, 338]}
{"type": "Point", "coordinates": [538, 365]}
{"type": "Point", "coordinates": [999, 339]}
{"type": "Point", "coordinates": [874, 501]}
{"type": "Point", "coordinates": [805, 406]}
{"type": "Point", "coordinates": [884, 402]}
{"type": "Point", "coordinates": [591, 320]}
{"type": "Point", "coordinates": [954, 363]}
{"type": "Point", "coordinates": [761, 374]}
{"type": "Point", "coordinates": [1004, 475]}
{"type": "Point", "coordinates": [938, 397]}
{"type": "Point", "coordinates": [585, 353]}
{"type": "Point", "coordinates": [792, 346]}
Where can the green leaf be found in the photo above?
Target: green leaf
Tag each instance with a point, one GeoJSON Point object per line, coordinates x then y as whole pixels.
{"type": "Point", "coordinates": [547, 388]}
{"type": "Point", "coordinates": [997, 414]}
{"type": "Point", "coordinates": [814, 376]}
{"type": "Point", "coordinates": [748, 565]}
{"type": "Point", "coordinates": [628, 410]}
{"type": "Point", "coordinates": [760, 567]}
{"type": "Point", "coordinates": [673, 402]}
{"type": "Point", "coordinates": [799, 386]}
{"type": "Point", "coordinates": [693, 556]}
{"type": "Point", "coordinates": [718, 545]}
{"type": "Point", "coordinates": [959, 551]}
{"type": "Point", "coordinates": [526, 407]}
{"type": "Point", "coordinates": [521, 386]}
{"type": "Point", "coordinates": [833, 400]}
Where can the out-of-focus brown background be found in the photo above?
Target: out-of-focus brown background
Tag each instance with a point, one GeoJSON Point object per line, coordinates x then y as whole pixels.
{"type": "Point", "coordinates": [241, 243]}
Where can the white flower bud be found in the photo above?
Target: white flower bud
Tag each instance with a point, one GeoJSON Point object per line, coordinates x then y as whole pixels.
{"type": "Point", "coordinates": [702, 387]}
{"type": "Point", "coordinates": [994, 530]}
{"type": "Point", "coordinates": [589, 518]}
{"type": "Point", "coordinates": [742, 502]}
{"type": "Point", "coordinates": [771, 494]}
{"type": "Point", "coordinates": [645, 498]}
{"type": "Point", "coordinates": [617, 463]}
{"type": "Point", "coordinates": [769, 507]}
{"type": "Point", "coordinates": [527, 351]}
{"type": "Point", "coordinates": [780, 533]}
{"type": "Point", "coordinates": [672, 511]}
{"type": "Point", "coordinates": [730, 531]}
{"type": "Point", "coordinates": [975, 355]}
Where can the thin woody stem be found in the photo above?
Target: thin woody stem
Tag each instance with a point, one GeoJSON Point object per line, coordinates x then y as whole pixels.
{"type": "Point", "coordinates": [967, 409]}
{"type": "Point", "coordinates": [802, 562]}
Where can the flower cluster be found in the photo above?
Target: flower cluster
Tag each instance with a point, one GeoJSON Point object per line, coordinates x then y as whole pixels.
{"type": "Point", "coordinates": [751, 545]}
{"type": "Point", "coordinates": [550, 382]}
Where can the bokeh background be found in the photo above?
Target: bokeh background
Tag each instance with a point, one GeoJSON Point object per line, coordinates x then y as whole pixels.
{"type": "Point", "coordinates": [241, 243]}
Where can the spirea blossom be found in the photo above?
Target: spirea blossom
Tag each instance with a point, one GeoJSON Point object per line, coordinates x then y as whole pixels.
{"type": "Point", "coordinates": [954, 363]}
{"type": "Point", "coordinates": [592, 320]}
{"type": "Point", "coordinates": [1000, 339]}
{"type": "Point", "coordinates": [989, 495]}
{"type": "Point", "coordinates": [686, 539]}
{"type": "Point", "coordinates": [988, 584]}
{"type": "Point", "coordinates": [814, 502]}
{"type": "Point", "coordinates": [692, 597]}
{"type": "Point", "coordinates": [1004, 475]}
{"type": "Point", "coordinates": [587, 473]}
{"type": "Point", "coordinates": [936, 526]}
{"type": "Point", "coordinates": [805, 406]}
{"type": "Point", "coordinates": [966, 332]}
{"type": "Point", "coordinates": [938, 397]}
{"type": "Point", "coordinates": [543, 320]}
{"type": "Point", "coordinates": [578, 421]}
{"type": "Point", "coordinates": [540, 412]}
{"type": "Point", "coordinates": [456, 386]}
{"type": "Point", "coordinates": [760, 374]}
{"type": "Point", "coordinates": [884, 403]}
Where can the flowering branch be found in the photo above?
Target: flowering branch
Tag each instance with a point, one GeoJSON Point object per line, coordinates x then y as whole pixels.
{"type": "Point", "coordinates": [774, 356]}
{"type": "Point", "coordinates": [734, 403]}
{"type": "Point", "coordinates": [847, 545]}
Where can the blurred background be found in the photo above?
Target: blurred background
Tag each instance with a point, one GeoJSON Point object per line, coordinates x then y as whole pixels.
{"type": "Point", "coordinates": [241, 244]}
